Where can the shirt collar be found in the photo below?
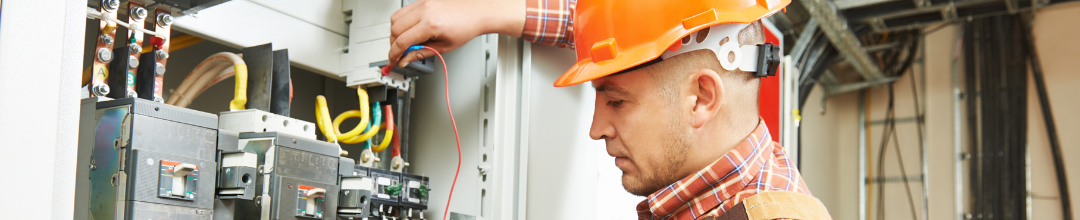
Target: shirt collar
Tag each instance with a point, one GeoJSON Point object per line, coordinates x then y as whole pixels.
{"type": "Point", "coordinates": [742, 162]}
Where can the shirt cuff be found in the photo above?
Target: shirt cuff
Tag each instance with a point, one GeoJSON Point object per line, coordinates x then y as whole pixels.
{"type": "Point", "coordinates": [549, 22]}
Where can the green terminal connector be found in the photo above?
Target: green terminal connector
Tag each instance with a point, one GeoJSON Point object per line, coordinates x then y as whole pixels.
{"type": "Point", "coordinates": [394, 190]}
{"type": "Point", "coordinates": [423, 191]}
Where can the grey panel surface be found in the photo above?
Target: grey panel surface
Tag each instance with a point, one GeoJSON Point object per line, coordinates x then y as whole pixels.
{"type": "Point", "coordinates": [296, 142]}
{"type": "Point", "coordinates": [148, 211]}
{"type": "Point", "coordinates": [87, 122]}
{"type": "Point", "coordinates": [145, 179]}
{"type": "Point", "coordinates": [164, 111]}
{"type": "Point", "coordinates": [345, 166]}
{"type": "Point", "coordinates": [306, 165]}
{"type": "Point", "coordinates": [173, 138]}
{"type": "Point", "coordinates": [259, 60]}
{"type": "Point", "coordinates": [228, 140]}
{"type": "Point", "coordinates": [285, 198]}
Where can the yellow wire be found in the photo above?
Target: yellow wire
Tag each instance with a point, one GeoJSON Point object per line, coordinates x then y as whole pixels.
{"type": "Point", "coordinates": [240, 94]}
{"type": "Point", "coordinates": [322, 117]}
{"type": "Point", "coordinates": [363, 114]}
{"type": "Point", "coordinates": [357, 134]}
{"type": "Point", "coordinates": [385, 141]}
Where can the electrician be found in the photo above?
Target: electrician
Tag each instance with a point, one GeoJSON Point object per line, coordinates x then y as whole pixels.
{"type": "Point", "coordinates": [676, 93]}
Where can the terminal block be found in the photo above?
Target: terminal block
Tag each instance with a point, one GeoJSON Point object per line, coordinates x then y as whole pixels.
{"type": "Point", "coordinates": [415, 193]}
{"type": "Point", "coordinates": [388, 188]}
{"type": "Point", "coordinates": [236, 177]}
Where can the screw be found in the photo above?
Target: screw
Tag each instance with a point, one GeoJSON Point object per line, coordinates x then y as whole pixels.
{"type": "Point", "coordinates": [134, 48]}
{"type": "Point", "coordinates": [110, 5]}
{"type": "Point", "coordinates": [106, 39]}
{"type": "Point", "coordinates": [138, 13]}
{"type": "Point", "coordinates": [159, 69]}
{"type": "Point", "coordinates": [158, 99]}
{"type": "Point", "coordinates": [92, 167]}
{"type": "Point", "coordinates": [104, 55]}
{"type": "Point", "coordinates": [131, 94]}
{"type": "Point", "coordinates": [101, 90]}
{"type": "Point", "coordinates": [161, 54]}
{"type": "Point", "coordinates": [164, 19]}
{"type": "Point", "coordinates": [483, 169]}
{"type": "Point", "coordinates": [133, 62]}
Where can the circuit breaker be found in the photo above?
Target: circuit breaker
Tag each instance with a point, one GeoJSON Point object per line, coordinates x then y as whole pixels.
{"type": "Point", "coordinates": [296, 177]}
{"type": "Point", "coordinates": [354, 201]}
{"type": "Point", "coordinates": [149, 160]}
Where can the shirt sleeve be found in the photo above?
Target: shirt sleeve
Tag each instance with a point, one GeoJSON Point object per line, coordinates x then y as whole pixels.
{"type": "Point", "coordinates": [550, 22]}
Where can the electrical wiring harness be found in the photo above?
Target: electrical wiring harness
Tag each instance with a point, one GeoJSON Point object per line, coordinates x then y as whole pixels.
{"type": "Point", "coordinates": [210, 71]}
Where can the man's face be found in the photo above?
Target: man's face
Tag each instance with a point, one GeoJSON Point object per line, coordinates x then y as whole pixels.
{"type": "Point", "coordinates": [639, 128]}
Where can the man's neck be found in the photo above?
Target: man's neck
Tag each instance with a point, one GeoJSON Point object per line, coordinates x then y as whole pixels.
{"type": "Point", "coordinates": [727, 133]}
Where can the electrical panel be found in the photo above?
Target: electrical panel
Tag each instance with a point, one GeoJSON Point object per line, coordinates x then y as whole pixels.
{"type": "Point", "coordinates": [151, 157]}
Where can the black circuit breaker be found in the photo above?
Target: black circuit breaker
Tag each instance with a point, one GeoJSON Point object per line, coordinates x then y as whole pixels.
{"type": "Point", "coordinates": [385, 197]}
{"type": "Point", "coordinates": [147, 160]}
{"type": "Point", "coordinates": [415, 193]}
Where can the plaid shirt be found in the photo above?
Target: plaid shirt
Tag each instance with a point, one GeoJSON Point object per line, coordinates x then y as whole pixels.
{"type": "Point", "coordinates": [757, 164]}
{"type": "Point", "coordinates": [550, 22]}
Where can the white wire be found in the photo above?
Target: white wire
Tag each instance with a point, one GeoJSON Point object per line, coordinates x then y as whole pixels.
{"type": "Point", "coordinates": [94, 13]}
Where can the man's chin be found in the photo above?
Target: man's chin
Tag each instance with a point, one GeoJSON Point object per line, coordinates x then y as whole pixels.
{"type": "Point", "coordinates": [636, 186]}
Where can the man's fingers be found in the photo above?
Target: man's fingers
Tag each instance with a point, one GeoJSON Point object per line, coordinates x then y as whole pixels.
{"type": "Point", "coordinates": [404, 24]}
{"type": "Point", "coordinates": [414, 56]}
{"type": "Point", "coordinates": [405, 10]}
{"type": "Point", "coordinates": [408, 38]}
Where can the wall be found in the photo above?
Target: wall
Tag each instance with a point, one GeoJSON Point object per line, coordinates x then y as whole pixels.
{"type": "Point", "coordinates": [830, 162]}
{"type": "Point", "coordinates": [570, 177]}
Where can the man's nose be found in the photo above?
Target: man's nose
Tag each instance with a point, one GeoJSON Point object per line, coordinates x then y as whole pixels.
{"type": "Point", "coordinates": [601, 125]}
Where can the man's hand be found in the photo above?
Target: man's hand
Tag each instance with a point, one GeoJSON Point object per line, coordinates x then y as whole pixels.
{"type": "Point", "coordinates": [445, 25]}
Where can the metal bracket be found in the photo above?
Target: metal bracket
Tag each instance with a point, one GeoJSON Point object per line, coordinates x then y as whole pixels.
{"type": "Point", "coordinates": [836, 28]}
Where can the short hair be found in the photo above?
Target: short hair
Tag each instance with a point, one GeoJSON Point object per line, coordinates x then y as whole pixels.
{"type": "Point", "coordinates": [666, 73]}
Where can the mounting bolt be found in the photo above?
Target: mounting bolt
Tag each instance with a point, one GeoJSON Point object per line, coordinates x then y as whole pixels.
{"type": "Point", "coordinates": [483, 169]}
{"type": "Point", "coordinates": [106, 39]}
{"type": "Point", "coordinates": [134, 48]}
{"type": "Point", "coordinates": [161, 54]}
{"type": "Point", "coordinates": [101, 90]}
{"type": "Point", "coordinates": [164, 19]}
{"type": "Point", "coordinates": [110, 5]}
{"type": "Point", "coordinates": [159, 69]}
{"type": "Point", "coordinates": [104, 55]}
{"type": "Point", "coordinates": [138, 13]}
{"type": "Point", "coordinates": [133, 62]}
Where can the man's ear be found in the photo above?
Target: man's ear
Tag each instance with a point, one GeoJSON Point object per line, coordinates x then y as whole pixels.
{"type": "Point", "coordinates": [707, 92]}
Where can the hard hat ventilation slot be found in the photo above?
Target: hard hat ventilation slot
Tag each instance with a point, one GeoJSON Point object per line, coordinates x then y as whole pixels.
{"type": "Point", "coordinates": [702, 34]}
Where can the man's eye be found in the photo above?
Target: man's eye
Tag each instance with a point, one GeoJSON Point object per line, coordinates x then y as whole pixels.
{"type": "Point", "coordinates": [615, 103]}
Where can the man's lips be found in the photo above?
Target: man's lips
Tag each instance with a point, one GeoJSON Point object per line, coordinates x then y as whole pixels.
{"type": "Point", "coordinates": [623, 163]}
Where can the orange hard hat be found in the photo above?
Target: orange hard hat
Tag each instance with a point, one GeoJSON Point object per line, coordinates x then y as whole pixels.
{"type": "Point", "coordinates": [614, 35]}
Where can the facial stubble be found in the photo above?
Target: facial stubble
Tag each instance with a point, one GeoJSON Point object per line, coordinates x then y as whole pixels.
{"type": "Point", "coordinates": [676, 145]}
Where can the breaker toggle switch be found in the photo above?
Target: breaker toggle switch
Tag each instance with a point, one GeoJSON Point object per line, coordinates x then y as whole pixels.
{"type": "Point", "coordinates": [313, 197]}
{"type": "Point", "coordinates": [180, 173]}
{"type": "Point", "coordinates": [178, 180]}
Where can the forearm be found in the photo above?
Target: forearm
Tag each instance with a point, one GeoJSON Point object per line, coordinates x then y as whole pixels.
{"type": "Point", "coordinates": [549, 22]}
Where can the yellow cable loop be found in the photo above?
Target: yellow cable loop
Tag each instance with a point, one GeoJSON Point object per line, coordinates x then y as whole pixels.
{"type": "Point", "coordinates": [240, 93]}
{"type": "Point", "coordinates": [363, 114]}
{"type": "Point", "coordinates": [356, 135]}
{"type": "Point", "coordinates": [385, 141]}
{"type": "Point", "coordinates": [322, 118]}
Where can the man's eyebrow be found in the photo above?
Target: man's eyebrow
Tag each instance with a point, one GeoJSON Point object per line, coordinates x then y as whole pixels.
{"type": "Point", "coordinates": [610, 87]}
